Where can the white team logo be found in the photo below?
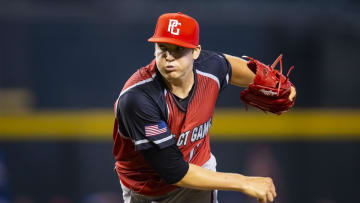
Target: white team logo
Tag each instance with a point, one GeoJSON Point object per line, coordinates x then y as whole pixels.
{"type": "Point", "coordinates": [172, 25]}
{"type": "Point", "coordinates": [268, 92]}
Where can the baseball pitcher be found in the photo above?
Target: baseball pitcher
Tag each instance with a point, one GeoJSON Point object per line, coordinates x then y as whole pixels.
{"type": "Point", "coordinates": [164, 113]}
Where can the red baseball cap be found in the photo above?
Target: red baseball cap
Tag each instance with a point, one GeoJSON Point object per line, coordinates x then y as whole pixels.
{"type": "Point", "coordinates": [178, 29]}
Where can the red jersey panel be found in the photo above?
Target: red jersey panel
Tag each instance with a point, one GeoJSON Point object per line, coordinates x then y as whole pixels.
{"type": "Point", "coordinates": [147, 115]}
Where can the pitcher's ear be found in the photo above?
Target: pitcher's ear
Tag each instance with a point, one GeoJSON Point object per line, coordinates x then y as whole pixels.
{"type": "Point", "coordinates": [196, 52]}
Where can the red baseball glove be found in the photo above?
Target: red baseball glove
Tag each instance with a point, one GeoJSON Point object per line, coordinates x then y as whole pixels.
{"type": "Point", "coordinates": [270, 90]}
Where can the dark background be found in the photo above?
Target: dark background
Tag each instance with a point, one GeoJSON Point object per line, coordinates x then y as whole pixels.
{"type": "Point", "coordinates": [78, 54]}
{"type": "Point", "coordinates": [77, 171]}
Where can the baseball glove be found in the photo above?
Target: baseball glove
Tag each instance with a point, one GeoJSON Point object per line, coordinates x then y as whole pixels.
{"type": "Point", "coordinates": [270, 89]}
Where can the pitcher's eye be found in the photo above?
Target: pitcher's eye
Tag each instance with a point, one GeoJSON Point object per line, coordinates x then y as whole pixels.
{"type": "Point", "coordinates": [162, 47]}
{"type": "Point", "coordinates": [178, 48]}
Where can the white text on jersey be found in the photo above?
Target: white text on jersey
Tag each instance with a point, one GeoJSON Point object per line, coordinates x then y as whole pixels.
{"type": "Point", "coordinates": [197, 133]}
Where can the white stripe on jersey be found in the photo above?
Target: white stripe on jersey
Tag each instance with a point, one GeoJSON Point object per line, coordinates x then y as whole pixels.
{"type": "Point", "coordinates": [139, 83]}
{"type": "Point", "coordinates": [167, 106]}
{"type": "Point", "coordinates": [163, 139]}
{"type": "Point", "coordinates": [209, 76]}
{"type": "Point", "coordinates": [143, 141]}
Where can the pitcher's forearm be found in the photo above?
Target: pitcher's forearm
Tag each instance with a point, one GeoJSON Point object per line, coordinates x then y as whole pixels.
{"type": "Point", "coordinates": [241, 75]}
{"type": "Point", "coordinates": [204, 179]}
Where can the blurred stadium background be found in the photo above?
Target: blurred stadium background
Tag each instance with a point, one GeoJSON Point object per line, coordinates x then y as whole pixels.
{"type": "Point", "coordinates": [63, 63]}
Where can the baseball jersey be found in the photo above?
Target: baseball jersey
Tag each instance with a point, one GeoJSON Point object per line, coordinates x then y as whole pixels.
{"type": "Point", "coordinates": [148, 115]}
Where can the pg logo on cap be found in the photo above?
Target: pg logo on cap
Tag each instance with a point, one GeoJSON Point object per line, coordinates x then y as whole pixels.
{"type": "Point", "coordinates": [173, 23]}
{"type": "Point", "coordinates": [178, 29]}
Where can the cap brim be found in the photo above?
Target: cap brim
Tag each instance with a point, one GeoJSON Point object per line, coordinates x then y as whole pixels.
{"type": "Point", "coordinates": [171, 41]}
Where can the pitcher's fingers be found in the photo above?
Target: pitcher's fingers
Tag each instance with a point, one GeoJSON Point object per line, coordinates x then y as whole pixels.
{"type": "Point", "coordinates": [292, 93]}
{"type": "Point", "coordinates": [269, 197]}
{"type": "Point", "coordinates": [272, 190]}
{"type": "Point", "coordinates": [262, 199]}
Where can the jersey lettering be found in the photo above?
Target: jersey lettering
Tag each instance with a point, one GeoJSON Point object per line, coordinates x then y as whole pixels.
{"type": "Point", "coordinates": [198, 133]}
{"type": "Point", "coordinates": [194, 134]}
{"type": "Point", "coordinates": [207, 126]}
{"type": "Point", "coordinates": [183, 138]}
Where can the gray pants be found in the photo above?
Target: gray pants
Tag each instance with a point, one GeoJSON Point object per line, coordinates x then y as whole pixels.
{"type": "Point", "coordinates": [179, 195]}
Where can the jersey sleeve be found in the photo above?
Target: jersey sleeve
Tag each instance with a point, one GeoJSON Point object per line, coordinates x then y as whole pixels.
{"type": "Point", "coordinates": [225, 71]}
{"type": "Point", "coordinates": [217, 65]}
{"type": "Point", "coordinates": [140, 119]}
{"type": "Point", "coordinates": [174, 169]}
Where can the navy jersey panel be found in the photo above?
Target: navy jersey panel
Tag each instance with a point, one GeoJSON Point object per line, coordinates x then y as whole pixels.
{"type": "Point", "coordinates": [141, 119]}
{"type": "Point", "coordinates": [216, 64]}
{"type": "Point", "coordinates": [146, 105]}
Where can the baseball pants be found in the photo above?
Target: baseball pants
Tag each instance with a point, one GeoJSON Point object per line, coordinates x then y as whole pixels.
{"type": "Point", "coordinates": [179, 195]}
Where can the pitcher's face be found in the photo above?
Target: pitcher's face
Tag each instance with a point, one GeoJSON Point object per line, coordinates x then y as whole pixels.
{"type": "Point", "coordinates": [175, 62]}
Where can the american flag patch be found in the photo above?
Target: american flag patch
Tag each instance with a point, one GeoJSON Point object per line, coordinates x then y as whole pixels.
{"type": "Point", "coordinates": [155, 129]}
